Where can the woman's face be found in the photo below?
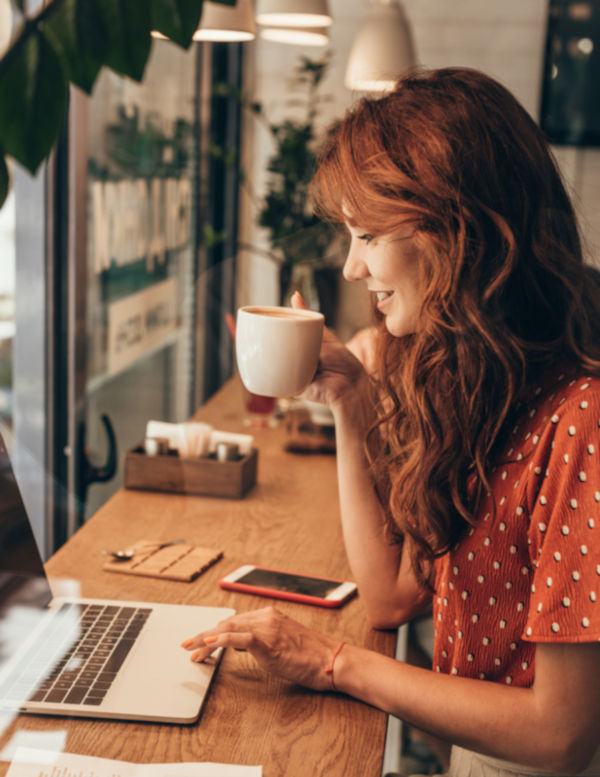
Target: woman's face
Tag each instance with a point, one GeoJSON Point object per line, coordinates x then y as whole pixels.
{"type": "Point", "coordinates": [390, 266]}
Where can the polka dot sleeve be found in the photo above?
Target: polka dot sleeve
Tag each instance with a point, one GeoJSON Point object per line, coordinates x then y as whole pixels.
{"type": "Point", "coordinates": [564, 533]}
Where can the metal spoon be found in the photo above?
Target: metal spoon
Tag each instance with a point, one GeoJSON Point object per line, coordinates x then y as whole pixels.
{"type": "Point", "coordinates": [129, 553]}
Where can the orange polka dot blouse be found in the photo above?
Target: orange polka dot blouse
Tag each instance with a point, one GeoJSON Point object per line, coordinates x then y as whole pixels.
{"type": "Point", "coordinates": [532, 573]}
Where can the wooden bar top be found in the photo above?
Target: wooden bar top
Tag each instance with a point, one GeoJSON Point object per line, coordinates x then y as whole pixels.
{"type": "Point", "coordinates": [289, 520]}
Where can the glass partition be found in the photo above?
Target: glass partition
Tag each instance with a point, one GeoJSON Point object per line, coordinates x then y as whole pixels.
{"type": "Point", "coordinates": [141, 270]}
{"type": "Point", "coordinates": [144, 291]}
{"type": "Point", "coordinates": [7, 305]}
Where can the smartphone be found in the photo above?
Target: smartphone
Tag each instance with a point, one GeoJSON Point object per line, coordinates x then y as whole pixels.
{"type": "Point", "coordinates": [308, 589]}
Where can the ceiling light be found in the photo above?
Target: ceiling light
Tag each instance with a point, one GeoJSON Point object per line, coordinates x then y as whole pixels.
{"type": "Point", "coordinates": [382, 50]}
{"type": "Point", "coordinates": [223, 22]}
{"type": "Point", "coordinates": [301, 36]}
{"type": "Point", "coordinates": [6, 25]}
{"type": "Point", "coordinates": [293, 13]}
{"type": "Point", "coordinates": [226, 23]}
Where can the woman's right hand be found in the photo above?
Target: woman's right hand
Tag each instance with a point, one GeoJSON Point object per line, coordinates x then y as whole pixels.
{"type": "Point", "coordinates": [340, 377]}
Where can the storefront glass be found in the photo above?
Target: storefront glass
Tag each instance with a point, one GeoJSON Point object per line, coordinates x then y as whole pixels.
{"type": "Point", "coordinates": [141, 273]}
{"type": "Point", "coordinates": [7, 303]}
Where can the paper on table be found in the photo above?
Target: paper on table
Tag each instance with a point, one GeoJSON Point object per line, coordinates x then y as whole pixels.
{"type": "Point", "coordinates": [29, 762]}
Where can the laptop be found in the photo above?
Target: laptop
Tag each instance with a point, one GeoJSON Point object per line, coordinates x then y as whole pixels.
{"type": "Point", "coordinates": [90, 657]}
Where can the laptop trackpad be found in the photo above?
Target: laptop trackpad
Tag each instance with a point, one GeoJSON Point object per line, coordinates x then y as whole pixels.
{"type": "Point", "coordinates": [158, 680]}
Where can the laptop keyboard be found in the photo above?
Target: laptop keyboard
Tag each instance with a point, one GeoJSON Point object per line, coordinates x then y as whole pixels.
{"type": "Point", "coordinates": [78, 655]}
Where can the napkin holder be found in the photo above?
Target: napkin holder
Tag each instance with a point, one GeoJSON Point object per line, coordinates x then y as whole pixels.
{"type": "Point", "coordinates": [200, 476]}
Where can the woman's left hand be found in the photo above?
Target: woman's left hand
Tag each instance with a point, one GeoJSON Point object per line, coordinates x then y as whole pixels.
{"type": "Point", "coordinates": [279, 644]}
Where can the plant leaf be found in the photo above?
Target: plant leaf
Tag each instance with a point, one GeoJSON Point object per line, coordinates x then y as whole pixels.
{"type": "Point", "coordinates": [177, 19]}
{"type": "Point", "coordinates": [33, 96]}
{"type": "Point", "coordinates": [4, 179]}
{"type": "Point", "coordinates": [210, 237]}
{"type": "Point", "coordinates": [128, 23]}
{"type": "Point", "coordinates": [78, 32]}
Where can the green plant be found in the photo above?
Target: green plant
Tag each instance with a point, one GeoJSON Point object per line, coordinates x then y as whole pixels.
{"type": "Point", "coordinates": [296, 235]}
{"type": "Point", "coordinates": [144, 151]}
{"type": "Point", "coordinates": [68, 42]}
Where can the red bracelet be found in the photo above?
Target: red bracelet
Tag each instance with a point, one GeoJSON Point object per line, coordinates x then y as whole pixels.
{"type": "Point", "coordinates": [330, 670]}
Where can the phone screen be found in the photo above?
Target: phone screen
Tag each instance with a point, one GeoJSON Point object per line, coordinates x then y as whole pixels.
{"type": "Point", "coordinates": [282, 581]}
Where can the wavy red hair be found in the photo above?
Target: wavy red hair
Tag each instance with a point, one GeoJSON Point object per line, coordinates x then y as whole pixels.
{"type": "Point", "coordinates": [505, 292]}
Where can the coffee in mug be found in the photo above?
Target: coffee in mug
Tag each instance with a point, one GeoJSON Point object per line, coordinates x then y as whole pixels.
{"type": "Point", "coordinates": [277, 348]}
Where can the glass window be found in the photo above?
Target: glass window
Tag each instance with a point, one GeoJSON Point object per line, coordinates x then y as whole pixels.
{"type": "Point", "coordinates": [7, 307]}
{"type": "Point", "coordinates": [141, 272]}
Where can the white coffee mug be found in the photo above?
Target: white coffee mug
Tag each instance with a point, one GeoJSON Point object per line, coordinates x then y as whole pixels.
{"type": "Point", "coordinates": [277, 348]}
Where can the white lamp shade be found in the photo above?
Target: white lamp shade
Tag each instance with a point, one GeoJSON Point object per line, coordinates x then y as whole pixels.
{"type": "Point", "coordinates": [226, 22]}
{"type": "Point", "coordinates": [293, 13]}
{"type": "Point", "coordinates": [300, 36]}
{"type": "Point", "coordinates": [6, 23]}
{"type": "Point", "coordinates": [382, 50]}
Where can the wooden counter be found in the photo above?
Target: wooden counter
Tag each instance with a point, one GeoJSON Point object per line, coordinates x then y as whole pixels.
{"type": "Point", "coordinates": [290, 519]}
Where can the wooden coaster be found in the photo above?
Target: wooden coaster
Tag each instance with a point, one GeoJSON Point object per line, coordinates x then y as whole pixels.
{"type": "Point", "coordinates": [175, 562]}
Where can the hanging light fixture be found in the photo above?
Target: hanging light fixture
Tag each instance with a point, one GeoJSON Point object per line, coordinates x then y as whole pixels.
{"type": "Point", "coordinates": [293, 13]}
{"type": "Point", "coordinates": [224, 22]}
{"type": "Point", "coordinates": [301, 36]}
{"type": "Point", "coordinates": [6, 24]}
{"type": "Point", "coordinates": [382, 50]}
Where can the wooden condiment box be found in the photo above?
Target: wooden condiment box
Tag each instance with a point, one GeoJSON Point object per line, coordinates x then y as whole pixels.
{"type": "Point", "coordinates": [201, 477]}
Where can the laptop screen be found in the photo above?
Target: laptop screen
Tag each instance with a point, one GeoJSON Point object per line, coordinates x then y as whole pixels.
{"type": "Point", "coordinates": [24, 588]}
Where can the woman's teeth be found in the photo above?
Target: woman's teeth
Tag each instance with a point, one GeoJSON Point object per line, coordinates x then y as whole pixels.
{"type": "Point", "coordinates": [381, 295]}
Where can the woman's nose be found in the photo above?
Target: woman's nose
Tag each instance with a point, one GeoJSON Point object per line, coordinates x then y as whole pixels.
{"type": "Point", "coordinates": [355, 268]}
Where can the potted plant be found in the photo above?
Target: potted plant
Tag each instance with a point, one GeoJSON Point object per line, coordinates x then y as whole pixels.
{"type": "Point", "coordinates": [305, 247]}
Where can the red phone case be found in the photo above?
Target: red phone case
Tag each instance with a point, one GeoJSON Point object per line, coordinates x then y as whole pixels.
{"type": "Point", "coordinates": [291, 596]}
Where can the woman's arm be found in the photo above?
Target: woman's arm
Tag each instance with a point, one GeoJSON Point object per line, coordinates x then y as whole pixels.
{"type": "Point", "coordinates": [386, 580]}
{"type": "Point", "coordinates": [554, 725]}
{"type": "Point", "coordinates": [383, 572]}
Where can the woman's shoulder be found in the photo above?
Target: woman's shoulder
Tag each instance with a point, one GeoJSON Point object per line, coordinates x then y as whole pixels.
{"type": "Point", "coordinates": [561, 415]}
{"type": "Point", "coordinates": [564, 393]}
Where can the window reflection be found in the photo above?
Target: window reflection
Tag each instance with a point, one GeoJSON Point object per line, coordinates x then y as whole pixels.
{"type": "Point", "coordinates": [570, 111]}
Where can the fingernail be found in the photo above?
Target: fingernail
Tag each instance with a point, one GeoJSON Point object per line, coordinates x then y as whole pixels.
{"type": "Point", "coordinates": [210, 640]}
{"type": "Point", "coordinates": [196, 657]}
{"type": "Point", "coordinates": [187, 643]}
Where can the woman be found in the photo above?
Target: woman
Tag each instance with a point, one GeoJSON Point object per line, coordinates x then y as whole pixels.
{"type": "Point", "coordinates": [476, 478]}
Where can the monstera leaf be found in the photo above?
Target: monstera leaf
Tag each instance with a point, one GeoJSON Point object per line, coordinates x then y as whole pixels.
{"type": "Point", "coordinates": [69, 41]}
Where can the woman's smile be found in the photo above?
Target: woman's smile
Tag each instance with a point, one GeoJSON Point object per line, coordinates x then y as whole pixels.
{"type": "Point", "coordinates": [389, 264]}
{"type": "Point", "coordinates": [383, 298]}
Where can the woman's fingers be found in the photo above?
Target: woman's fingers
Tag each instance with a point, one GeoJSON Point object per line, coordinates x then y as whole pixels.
{"type": "Point", "coordinates": [298, 301]}
{"type": "Point", "coordinates": [236, 640]}
{"type": "Point", "coordinates": [236, 623]}
{"type": "Point", "coordinates": [278, 643]}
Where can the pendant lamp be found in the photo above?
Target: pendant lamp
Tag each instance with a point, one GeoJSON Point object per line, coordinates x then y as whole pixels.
{"type": "Point", "coordinates": [6, 24]}
{"type": "Point", "coordinates": [224, 22]}
{"type": "Point", "coordinates": [293, 13]}
{"type": "Point", "coordinates": [301, 36]}
{"type": "Point", "coordinates": [382, 50]}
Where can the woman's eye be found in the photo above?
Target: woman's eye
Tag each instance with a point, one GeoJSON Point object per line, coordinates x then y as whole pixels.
{"type": "Point", "coordinates": [366, 237]}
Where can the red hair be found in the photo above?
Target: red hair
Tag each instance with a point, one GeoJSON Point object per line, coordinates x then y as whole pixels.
{"type": "Point", "coordinates": [505, 292]}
